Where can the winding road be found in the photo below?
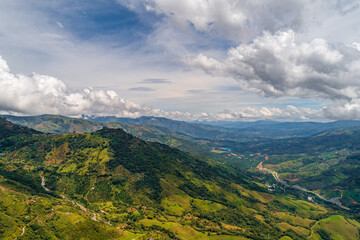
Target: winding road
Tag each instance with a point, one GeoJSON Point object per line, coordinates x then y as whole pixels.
{"type": "Point", "coordinates": [335, 200]}
{"type": "Point", "coordinates": [43, 184]}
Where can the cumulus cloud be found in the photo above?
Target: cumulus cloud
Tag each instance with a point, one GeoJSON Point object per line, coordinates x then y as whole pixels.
{"type": "Point", "coordinates": [271, 113]}
{"type": "Point", "coordinates": [288, 113]}
{"type": "Point", "coordinates": [39, 94]}
{"type": "Point", "coordinates": [241, 21]}
{"type": "Point", "coordinates": [42, 94]}
{"type": "Point", "coordinates": [323, 63]}
{"type": "Point", "coordinates": [274, 65]}
{"type": "Point", "coordinates": [236, 20]}
{"type": "Point", "coordinates": [343, 110]}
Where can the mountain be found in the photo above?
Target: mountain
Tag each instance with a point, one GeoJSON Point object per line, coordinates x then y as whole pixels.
{"type": "Point", "coordinates": [10, 133]}
{"type": "Point", "coordinates": [236, 131]}
{"type": "Point", "coordinates": [194, 130]}
{"type": "Point", "coordinates": [238, 154]}
{"type": "Point", "coordinates": [55, 123]}
{"type": "Point", "coordinates": [60, 124]}
{"type": "Point", "coordinates": [166, 130]}
{"type": "Point", "coordinates": [111, 185]}
{"type": "Point", "coordinates": [8, 129]}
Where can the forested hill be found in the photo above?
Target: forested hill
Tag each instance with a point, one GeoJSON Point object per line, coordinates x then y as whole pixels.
{"type": "Point", "coordinates": [8, 129]}
{"type": "Point", "coordinates": [111, 185]}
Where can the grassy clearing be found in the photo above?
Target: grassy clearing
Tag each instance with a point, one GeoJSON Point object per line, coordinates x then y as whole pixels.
{"type": "Point", "coordinates": [299, 230]}
{"type": "Point", "coordinates": [285, 238]}
{"type": "Point", "coordinates": [129, 236]}
{"type": "Point", "coordinates": [302, 208]}
{"type": "Point", "coordinates": [175, 201]}
{"type": "Point", "coordinates": [336, 227]}
{"type": "Point", "coordinates": [225, 237]}
{"type": "Point", "coordinates": [294, 220]}
{"type": "Point", "coordinates": [183, 232]}
{"type": "Point", "coordinates": [206, 205]}
{"type": "Point", "coordinates": [262, 197]}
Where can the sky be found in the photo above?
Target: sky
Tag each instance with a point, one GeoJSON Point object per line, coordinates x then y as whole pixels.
{"type": "Point", "coordinates": [207, 60]}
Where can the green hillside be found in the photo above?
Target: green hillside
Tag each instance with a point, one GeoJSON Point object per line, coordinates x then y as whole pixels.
{"type": "Point", "coordinates": [334, 175]}
{"type": "Point", "coordinates": [55, 124]}
{"type": "Point", "coordinates": [147, 132]}
{"type": "Point", "coordinates": [111, 185]}
{"type": "Point", "coordinates": [328, 163]}
{"type": "Point", "coordinates": [7, 129]}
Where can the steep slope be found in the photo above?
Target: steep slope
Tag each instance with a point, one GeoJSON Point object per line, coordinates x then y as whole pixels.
{"type": "Point", "coordinates": [136, 189]}
{"type": "Point", "coordinates": [7, 129]}
{"type": "Point", "coordinates": [194, 130]}
{"type": "Point", "coordinates": [24, 215]}
{"type": "Point", "coordinates": [60, 124]}
{"type": "Point", "coordinates": [11, 134]}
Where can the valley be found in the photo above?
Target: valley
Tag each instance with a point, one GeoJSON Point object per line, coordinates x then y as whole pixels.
{"type": "Point", "coordinates": [335, 200]}
{"type": "Point", "coordinates": [122, 187]}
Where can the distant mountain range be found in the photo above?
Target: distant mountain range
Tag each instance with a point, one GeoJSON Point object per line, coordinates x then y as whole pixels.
{"type": "Point", "coordinates": [60, 125]}
{"type": "Point", "coordinates": [267, 137]}
{"type": "Point", "coordinates": [239, 131]}
{"type": "Point", "coordinates": [108, 184]}
{"type": "Point", "coordinates": [244, 131]}
{"type": "Point", "coordinates": [290, 125]}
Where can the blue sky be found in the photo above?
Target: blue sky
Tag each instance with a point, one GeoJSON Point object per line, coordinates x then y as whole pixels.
{"type": "Point", "coordinates": [102, 20]}
{"type": "Point", "coordinates": [191, 60]}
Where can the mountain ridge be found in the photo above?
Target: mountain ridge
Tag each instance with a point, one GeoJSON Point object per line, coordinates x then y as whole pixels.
{"type": "Point", "coordinates": [141, 189]}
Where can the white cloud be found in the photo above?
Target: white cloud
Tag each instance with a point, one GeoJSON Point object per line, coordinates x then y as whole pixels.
{"type": "Point", "coordinates": [242, 21]}
{"type": "Point", "coordinates": [42, 94]}
{"type": "Point", "coordinates": [271, 113]}
{"type": "Point", "coordinates": [273, 65]}
{"type": "Point", "coordinates": [343, 110]}
{"type": "Point", "coordinates": [233, 19]}
{"type": "Point", "coordinates": [356, 45]}
{"type": "Point", "coordinates": [269, 61]}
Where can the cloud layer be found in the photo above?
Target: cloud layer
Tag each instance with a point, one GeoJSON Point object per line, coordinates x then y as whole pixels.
{"type": "Point", "coordinates": [42, 94]}
{"type": "Point", "coordinates": [274, 65]}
